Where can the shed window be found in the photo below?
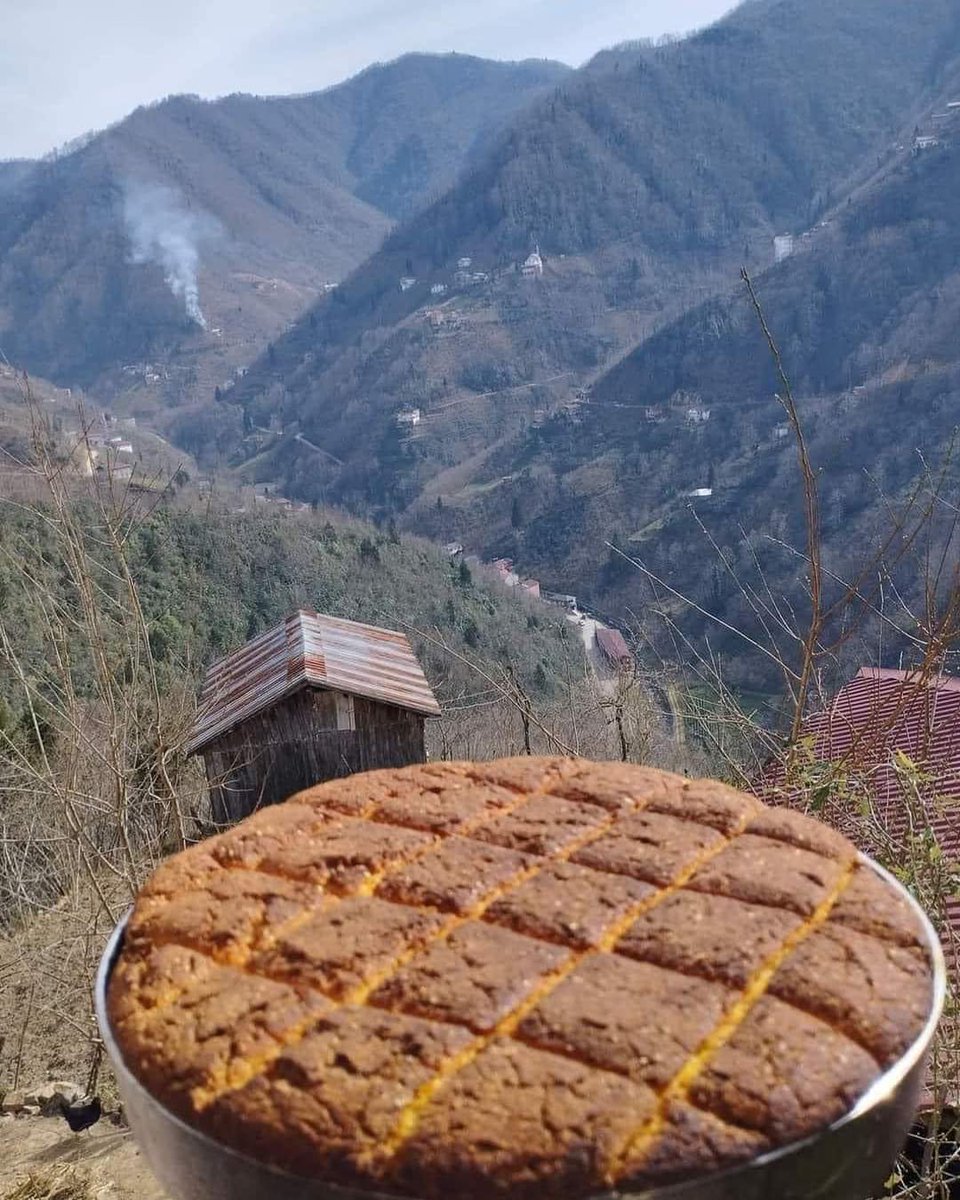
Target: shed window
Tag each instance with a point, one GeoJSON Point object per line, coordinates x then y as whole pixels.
{"type": "Point", "coordinates": [346, 719]}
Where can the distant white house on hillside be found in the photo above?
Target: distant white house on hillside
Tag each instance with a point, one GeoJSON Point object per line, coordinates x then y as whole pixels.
{"type": "Point", "coordinates": [409, 416]}
{"type": "Point", "coordinates": [465, 263]}
{"type": "Point", "coordinates": [697, 416]}
{"type": "Point", "coordinates": [532, 268]}
{"type": "Point", "coordinates": [783, 246]}
{"type": "Point", "coordinates": [438, 289]}
{"type": "Point", "coordinates": [406, 283]}
{"type": "Point", "coordinates": [925, 141]}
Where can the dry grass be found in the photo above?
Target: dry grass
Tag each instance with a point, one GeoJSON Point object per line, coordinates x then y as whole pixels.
{"type": "Point", "coordinates": [54, 1183]}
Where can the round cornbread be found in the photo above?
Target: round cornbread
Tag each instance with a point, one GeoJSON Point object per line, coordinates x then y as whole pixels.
{"type": "Point", "coordinates": [536, 978]}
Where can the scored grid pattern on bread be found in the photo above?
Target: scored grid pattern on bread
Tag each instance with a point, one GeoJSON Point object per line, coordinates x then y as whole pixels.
{"type": "Point", "coordinates": [594, 814]}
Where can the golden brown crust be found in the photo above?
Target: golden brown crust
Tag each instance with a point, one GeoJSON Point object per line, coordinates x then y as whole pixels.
{"type": "Point", "coordinates": [780, 1069]}
{"type": "Point", "coordinates": [516, 1121]}
{"type": "Point", "coordinates": [690, 933]}
{"type": "Point", "coordinates": [689, 1142]}
{"type": "Point", "coordinates": [537, 977]}
{"type": "Point", "coordinates": [630, 1018]}
{"type": "Point", "coordinates": [869, 990]}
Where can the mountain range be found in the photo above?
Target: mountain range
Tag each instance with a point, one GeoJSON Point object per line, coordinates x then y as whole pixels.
{"type": "Point", "coordinates": [645, 180]}
{"type": "Point", "coordinates": [540, 344]}
{"type": "Point", "coordinates": [248, 205]}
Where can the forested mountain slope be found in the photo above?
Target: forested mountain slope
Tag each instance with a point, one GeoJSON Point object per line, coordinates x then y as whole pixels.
{"type": "Point", "coordinates": [866, 315]}
{"type": "Point", "coordinates": [210, 580]}
{"type": "Point", "coordinates": [237, 209]}
{"type": "Point", "coordinates": [646, 179]}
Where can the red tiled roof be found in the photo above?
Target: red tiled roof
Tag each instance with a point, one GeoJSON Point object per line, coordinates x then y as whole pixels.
{"type": "Point", "coordinates": [876, 716]}
{"type": "Point", "coordinates": [310, 650]}
{"type": "Point", "coordinates": [612, 644]}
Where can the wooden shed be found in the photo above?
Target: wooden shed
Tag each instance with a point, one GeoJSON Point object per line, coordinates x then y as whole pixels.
{"type": "Point", "coordinates": [315, 698]}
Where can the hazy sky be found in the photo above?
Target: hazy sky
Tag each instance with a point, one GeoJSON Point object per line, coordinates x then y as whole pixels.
{"type": "Point", "coordinates": [67, 66]}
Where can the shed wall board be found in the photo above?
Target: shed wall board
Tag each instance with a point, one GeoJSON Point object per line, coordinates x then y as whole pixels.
{"type": "Point", "coordinates": [306, 739]}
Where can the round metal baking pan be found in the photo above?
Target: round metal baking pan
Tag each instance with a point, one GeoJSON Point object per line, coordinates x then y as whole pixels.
{"type": "Point", "coordinates": [850, 1160]}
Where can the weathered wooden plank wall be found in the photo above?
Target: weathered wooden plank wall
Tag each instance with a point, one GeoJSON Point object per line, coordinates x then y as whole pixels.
{"type": "Point", "coordinates": [304, 740]}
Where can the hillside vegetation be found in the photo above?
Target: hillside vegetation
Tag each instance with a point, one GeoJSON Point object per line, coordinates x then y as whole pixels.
{"type": "Point", "coordinates": [209, 581]}
{"type": "Point", "coordinates": [865, 315]}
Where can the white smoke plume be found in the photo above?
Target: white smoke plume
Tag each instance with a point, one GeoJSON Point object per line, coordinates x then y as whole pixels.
{"type": "Point", "coordinates": [163, 230]}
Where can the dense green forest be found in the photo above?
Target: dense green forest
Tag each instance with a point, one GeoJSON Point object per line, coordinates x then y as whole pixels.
{"type": "Point", "coordinates": [210, 581]}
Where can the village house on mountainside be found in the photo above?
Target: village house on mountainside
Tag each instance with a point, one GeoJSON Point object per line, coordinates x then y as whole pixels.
{"type": "Point", "coordinates": [614, 649]}
{"type": "Point", "coordinates": [314, 698]}
{"type": "Point", "coordinates": [532, 268]}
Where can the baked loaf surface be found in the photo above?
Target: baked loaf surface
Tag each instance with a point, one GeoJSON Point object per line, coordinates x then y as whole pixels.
{"type": "Point", "coordinates": [536, 977]}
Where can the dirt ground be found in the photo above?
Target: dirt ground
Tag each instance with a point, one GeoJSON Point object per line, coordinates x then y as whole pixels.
{"type": "Point", "coordinates": [47, 967]}
{"type": "Point", "coordinates": [107, 1156]}
{"type": "Point", "coordinates": [47, 1031]}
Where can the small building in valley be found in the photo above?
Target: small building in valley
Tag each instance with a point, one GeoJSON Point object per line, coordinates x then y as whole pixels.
{"type": "Point", "coordinates": [505, 571]}
{"type": "Point", "coordinates": [562, 598]}
{"type": "Point", "coordinates": [614, 649]}
{"type": "Point", "coordinates": [409, 416]}
{"type": "Point", "coordinates": [783, 246]}
{"type": "Point", "coordinates": [532, 267]}
{"type": "Point", "coordinates": [314, 698]}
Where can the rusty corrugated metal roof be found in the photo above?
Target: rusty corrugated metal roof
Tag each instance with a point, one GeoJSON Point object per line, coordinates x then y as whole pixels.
{"type": "Point", "coordinates": [310, 650]}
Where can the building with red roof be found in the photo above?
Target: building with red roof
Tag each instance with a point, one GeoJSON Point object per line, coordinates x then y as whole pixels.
{"type": "Point", "coordinates": [885, 756]}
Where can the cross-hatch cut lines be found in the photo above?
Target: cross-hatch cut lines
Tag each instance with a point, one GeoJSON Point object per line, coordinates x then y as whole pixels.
{"type": "Point", "coordinates": [410, 1116]}
{"type": "Point", "coordinates": [370, 882]}
{"type": "Point", "coordinates": [359, 994]}
{"type": "Point", "coordinates": [643, 1139]}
